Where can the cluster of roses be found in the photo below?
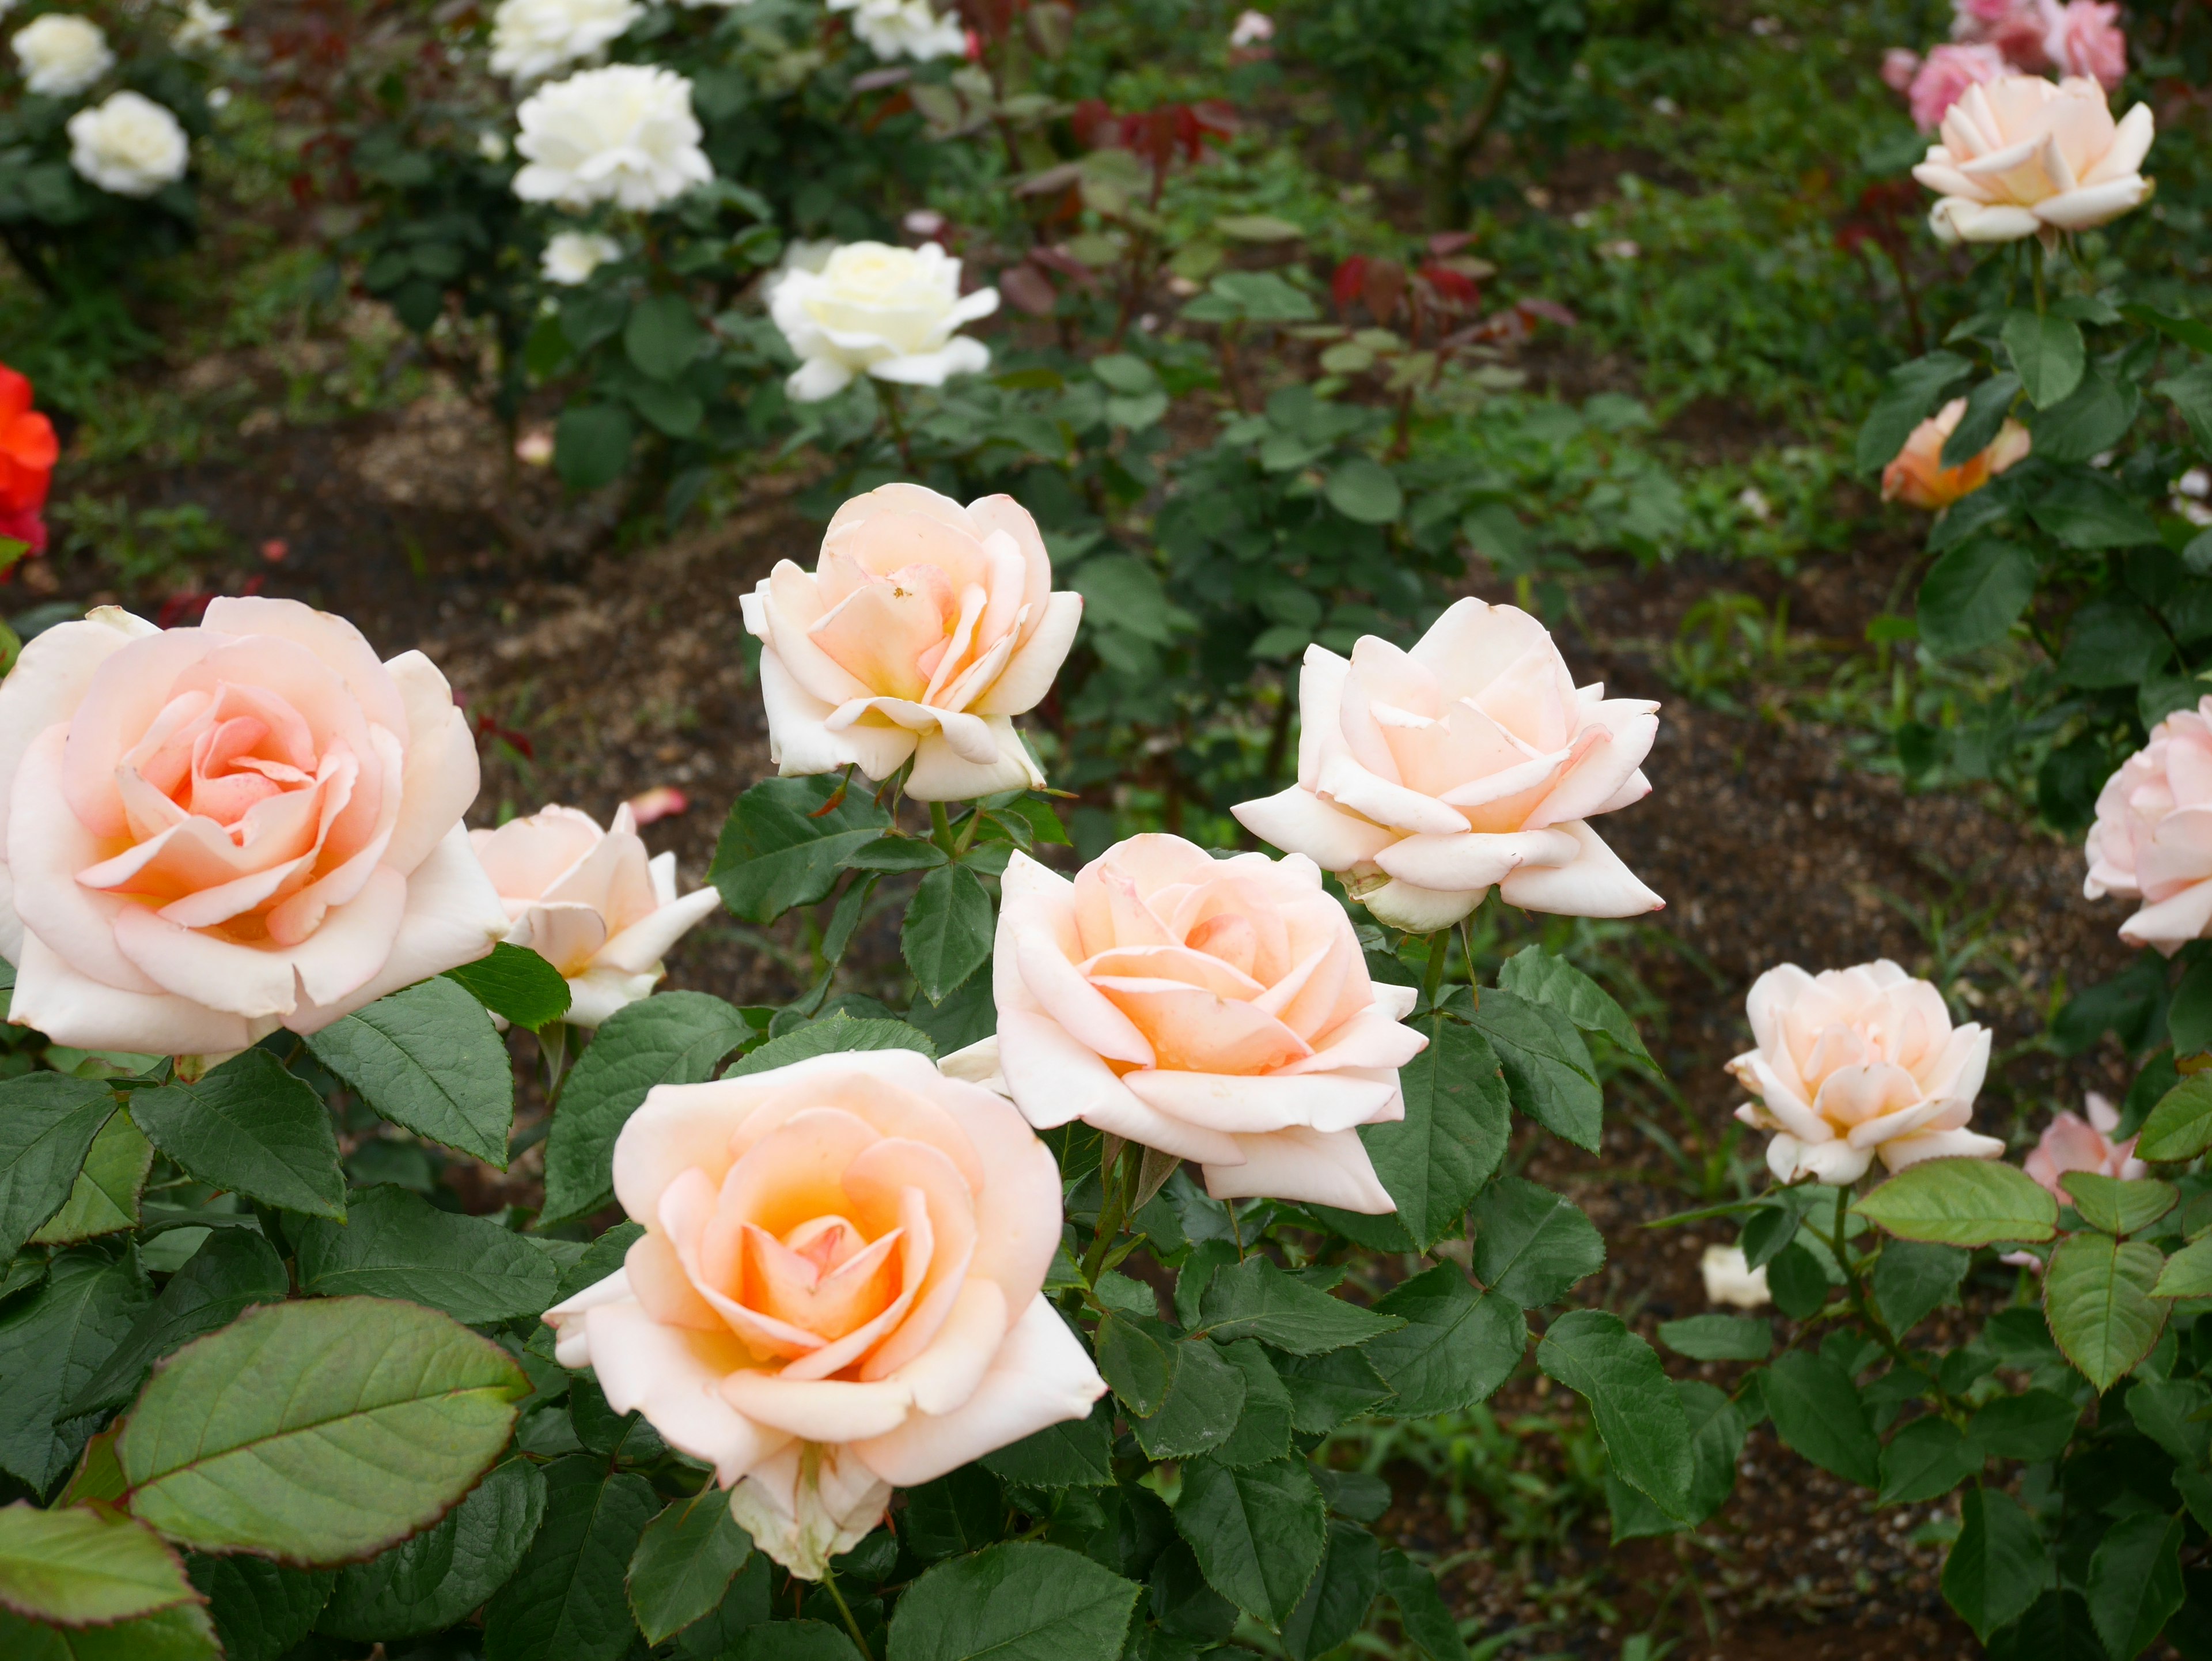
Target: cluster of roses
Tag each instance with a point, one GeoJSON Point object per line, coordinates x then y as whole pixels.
{"type": "Point", "coordinates": [126, 144]}
{"type": "Point", "coordinates": [1993, 39]}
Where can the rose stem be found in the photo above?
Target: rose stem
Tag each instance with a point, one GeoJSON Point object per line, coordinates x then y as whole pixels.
{"type": "Point", "coordinates": [829, 1580]}
{"type": "Point", "coordinates": [1433, 979]}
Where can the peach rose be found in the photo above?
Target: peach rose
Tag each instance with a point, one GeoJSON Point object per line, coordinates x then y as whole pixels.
{"type": "Point", "coordinates": [213, 833]}
{"type": "Point", "coordinates": [2025, 157]}
{"type": "Point", "coordinates": [2070, 1143]}
{"type": "Point", "coordinates": [1917, 473]}
{"type": "Point", "coordinates": [2153, 838]}
{"type": "Point", "coordinates": [590, 902]}
{"type": "Point", "coordinates": [1855, 1061]}
{"type": "Point", "coordinates": [1427, 776]}
{"type": "Point", "coordinates": [924, 629]}
{"type": "Point", "coordinates": [837, 1291]}
{"type": "Point", "coordinates": [1218, 1010]}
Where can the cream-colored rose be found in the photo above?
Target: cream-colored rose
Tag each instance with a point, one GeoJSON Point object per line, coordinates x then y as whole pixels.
{"type": "Point", "coordinates": [1852, 1063]}
{"type": "Point", "coordinates": [872, 309]}
{"type": "Point", "coordinates": [1730, 1279]}
{"type": "Point", "coordinates": [837, 1292]}
{"type": "Point", "coordinates": [924, 629]}
{"type": "Point", "coordinates": [1917, 473]}
{"type": "Point", "coordinates": [2070, 1143]}
{"type": "Point", "coordinates": [1427, 776]}
{"type": "Point", "coordinates": [2153, 838]}
{"type": "Point", "coordinates": [571, 256]}
{"type": "Point", "coordinates": [590, 902]}
{"type": "Point", "coordinates": [531, 39]}
{"type": "Point", "coordinates": [128, 145]}
{"type": "Point", "coordinates": [213, 833]}
{"type": "Point", "coordinates": [61, 54]}
{"type": "Point", "coordinates": [1217, 1010]}
{"type": "Point", "coordinates": [624, 134]}
{"type": "Point", "coordinates": [2025, 156]}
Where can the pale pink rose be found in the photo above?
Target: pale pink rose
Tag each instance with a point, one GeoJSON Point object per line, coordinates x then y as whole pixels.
{"type": "Point", "coordinates": [217, 832]}
{"type": "Point", "coordinates": [923, 629]}
{"type": "Point", "coordinates": [2017, 29]}
{"type": "Point", "coordinates": [1945, 75]}
{"type": "Point", "coordinates": [590, 902]}
{"type": "Point", "coordinates": [1917, 473]}
{"type": "Point", "coordinates": [662, 801]}
{"type": "Point", "coordinates": [2086, 39]}
{"type": "Point", "coordinates": [838, 1291]}
{"type": "Point", "coordinates": [2023, 156]}
{"type": "Point", "coordinates": [1852, 1063]}
{"type": "Point", "coordinates": [2153, 838]}
{"type": "Point", "coordinates": [1427, 776]}
{"type": "Point", "coordinates": [1217, 1010]}
{"type": "Point", "coordinates": [1899, 65]}
{"type": "Point", "coordinates": [2071, 1142]}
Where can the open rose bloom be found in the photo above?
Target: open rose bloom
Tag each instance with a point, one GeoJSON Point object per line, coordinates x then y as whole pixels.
{"type": "Point", "coordinates": [922, 631]}
{"type": "Point", "coordinates": [1427, 776]}
{"type": "Point", "coordinates": [838, 1291]}
{"type": "Point", "coordinates": [1217, 1010]}
{"type": "Point", "coordinates": [1853, 1062]}
{"type": "Point", "coordinates": [28, 450]}
{"type": "Point", "coordinates": [590, 902]}
{"type": "Point", "coordinates": [213, 833]}
{"type": "Point", "coordinates": [1917, 473]}
{"type": "Point", "coordinates": [2024, 156]}
{"type": "Point", "coordinates": [2071, 1142]}
{"type": "Point", "coordinates": [2153, 838]}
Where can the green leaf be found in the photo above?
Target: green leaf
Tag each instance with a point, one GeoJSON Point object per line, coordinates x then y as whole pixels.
{"type": "Point", "coordinates": [1912, 1278]}
{"type": "Point", "coordinates": [79, 1568]}
{"type": "Point", "coordinates": [1638, 1411]}
{"type": "Point", "coordinates": [2034, 1425]}
{"type": "Point", "coordinates": [52, 1342]}
{"type": "Point", "coordinates": [1423, 1615]}
{"type": "Point", "coordinates": [2177, 1414]}
{"type": "Point", "coordinates": [397, 1245]}
{"type": "Point", "coordinates": [104, 1197]}
{"type": "Point", "coordinates": [1818, 1412]}
{"type": "Point", "coordinates": [2191, 392]}
{"type": "Point", "coordinates": [1924, 1461]}
{"type": "Point", "coordinates": [1531, 1244]}
{"type": "Point", "coordinates": [2047, 353]}
{"type": "Point", "coordinates": [2092, 513]}
{"type": "Point", "coordinates": [684, 1562]}
{"type": "Point", "coordinates": [426, 1584]}
{"type": "Point", "coordinates": [1365, 492]}
{"type": "Point", "coordinates": [897, 853]}
{"type": "Point", "coordinates": [1257, 1532]}
{"type": "Point", "coordinates": [1335, 1602]}
{"type": "Point", "coordinates": [428, 1057]}
{"type": "Point", "coordinates": [1998, 1565]}
{"type": "Point", "coordinates": [787, 1641]}
{"type": "Point", "coordinates": [591, 445]}
{"type": "Point", "coordinates": [2094, 419]}
{"type": "Point", "coordinates": [1536, 974]}
{"type": "Point", "coordinates": [1914, 389]}
{"type": "Point", "coordinates": [1718, 1337]}
{"type": "Point", "coordinates": [1200, 1408]}
{"type": "Point", "coordinates": [662, 337]}
{"type": "Point", "coordinates": [2180, 1127]}
{"type": "Point", "coordinates": [946, 936]}
{"type": "Point", "coordinates": [2135, 1582]}
{"type": "Point", "coordinates": [1075, 1453]}
{"type": "Point", "coordinates": [783, 844]}
{"type": "Point", "coordinates": [516, 983]}
{"type": "Point", "coordinates": [2118, 1207]}
{"type": "Point", "coordinates": [1021, 1601]}
{"type": "Point", "coordinates": [183, 1634]}
{"type": "Point", "coordinates": [1987, 406]}
{"type": "Point", "coordinates": [1963, 1203]}
{"type": "Point", "coordinates": [2188, 332]}
{"type": "Point", "coordinates": [233, 1269]}
{"type": "Point", "coordinates": [1547, 1067]}
{"type": "Point", "coordinates": [566, 1601]}
{"type": "Point", "coordinates": [251, 1127]}
{"type": "Point", "coordinates": [835, 1034]}
{"type": "Point", "coordinates": [2187, 1273]}
{"type": "Point", "coordinates": [1264, 1422]}
{"type": "Point", "coordinates": [1255, 1299]}
{"type": "Point", "coordinates": [1328, 1390]}
{"type": "Point", "coordinates": [47, 1124]}
{"type": "Point", "coordinates": [276, 1435]}
{"type": "Point", "coordinates": [1127, 590]}
{"type": "Point", "coordinates": [961, 1511]}
{"type": "Point", "coordinates": [672, 1037]}
{"type": "Point", "coordinates": [2097, 1297]}
{"type": "Point", "coordinates": [1973, 594]}
{"type": "Point", "coordinates": [1136, 1358]}
{"type": "Point", "coordinates": [261, 1609]}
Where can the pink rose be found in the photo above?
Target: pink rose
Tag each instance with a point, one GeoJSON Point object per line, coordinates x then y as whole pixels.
{"type": "Point", "coordinates": [1855, 1061]}
{"type": "Point", "coordinates": [923, 630]}
{"type": "Point", "coordinates": [1427, 776]}
{"type": "Point", "coordinates": [1217, 1010]}
{"type": "Point", "coordinates": [217, 832]}
{"type": "Point", "coordinates": [2017, 29]}
{"type": "Point", "coordinates": [590, 902]}
{"type": "Point", "coordinates": [1945, 75]}
{"type": "Point", "coordinates": [838, 1290]}
{"type": "Point", "coordinates": [2086, 39]}
{"type": "Point", "coordinates": [1917, 473]}
{"type": "Point", "coordinates": [2153, 838]}
{"type": "Point", "coordinates": [2025, 157]}
{"type": "Point", "coordinates": [1899, 65]}
{"type": "Point", "coordinates": [2071, 1143]}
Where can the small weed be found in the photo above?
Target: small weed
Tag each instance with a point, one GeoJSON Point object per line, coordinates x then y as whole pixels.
{"type": "Point", "coordinates": [141, 546]}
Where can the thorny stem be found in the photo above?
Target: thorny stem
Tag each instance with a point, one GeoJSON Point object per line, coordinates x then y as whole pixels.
{"type": "Point", "coordinates": [836, 1596]}
{"type": "Point", "coordinates": [940, 828]}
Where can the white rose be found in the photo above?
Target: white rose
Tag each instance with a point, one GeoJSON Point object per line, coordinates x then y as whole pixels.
{"type": "Point", "coordinates": [533, 38]}
{"type": "Point", "coordinates": [624, 134]}
{"type": "Point", "coordinates": [571, 256]}
{"type": "Point", "coordinates": [204, 25]}
{"type": "Point", "coordinates": [891, 312]}
{"type": "Point", "coordinates": [906, 29]}
{"type": "Point", "coordinates": [61, 55]}
{"type": "Point", "coordinates": [1729, 1278]}
{"type": "Point", "coordinates": [128, 144]}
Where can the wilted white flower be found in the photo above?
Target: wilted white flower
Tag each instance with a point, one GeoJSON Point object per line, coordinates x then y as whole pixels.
{"type": "Point", "coordinates": [202, 26]}
{"type": "Point", "coordinates": [1752, 500]}
{"type": "Point", "coordinates": [571, 256]}
{"type": "Point", "coordinates": [61, 54]}
{"type": "Point", "coordinates": [1729, 1279]}
{"type": "Point", "coordinates": [1252, 28]}
{"type": "Point", "coordinates": [531, 38]}
{"type": "Point", "coordinates": [624, 134]}
{"type": "Point", "coordinates": [905, 28]}
{"type": "Point", "coordinates": [891, 312]}
{"type": "Point", "coordinates": [128, 144]}
{"type": "Point", "coordinates": [2189, 491]}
